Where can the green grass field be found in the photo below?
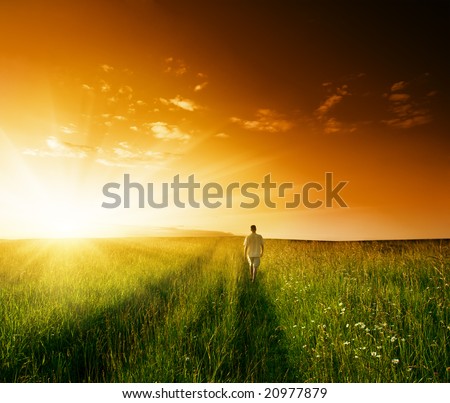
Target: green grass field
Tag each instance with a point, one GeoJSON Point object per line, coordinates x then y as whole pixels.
{"type": "Point", "coordinates": [183, 310]}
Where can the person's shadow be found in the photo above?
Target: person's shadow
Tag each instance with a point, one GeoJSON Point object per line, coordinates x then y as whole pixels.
{"type": "Point", "coordinates": [260, 344]}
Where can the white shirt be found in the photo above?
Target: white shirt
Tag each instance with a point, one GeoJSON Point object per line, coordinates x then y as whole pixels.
{"type": "Point", "coordinates": [254, 243]}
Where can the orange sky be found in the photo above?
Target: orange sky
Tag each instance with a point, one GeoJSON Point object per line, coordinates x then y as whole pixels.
{"type": "Point", "coordinates": [229, 92]}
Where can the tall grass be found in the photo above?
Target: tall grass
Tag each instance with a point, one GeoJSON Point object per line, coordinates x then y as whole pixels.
{"type": "Point", "coordinates": [183, 310]}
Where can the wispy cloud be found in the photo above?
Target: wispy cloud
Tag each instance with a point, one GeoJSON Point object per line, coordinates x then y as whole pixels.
{"type": "Point", "coordinates": [125, 91]}
{"type": "Point", "coordinates": [106, 68]}
{"type": "Point", "coordinates": [398, 86]}
{"type": "Point", "coordinates": [126, 155]}
{"type": "Point", "coordinates": [180, 102]}
{"type": "Point", "coordinates": [104, 86]}
{"type": "Point", "coordinates": [408, 107]}
{"type": "Point", "coordinates": [87, 87]}
{"type": "Point", "coordinates": [122, 154]}
{"type": "Point", "coordinates": [203, 83]}
{"type": "Point", "coordinates": [222, 135]}
{"type": "Point", "coordinates": [399, 98]}
{"type": "Point", "coordinates": [57, 148]}
{"type": "Point", "coordinates": [112, 100]}
{"type": "Point", "coordinates": [68, 129]}
{"type": "Point", "coordinates": [332, 125]}
{"type": "Point", "coordinates": [410, 121]}
{"type": "Point", "coordinates": [201, 86]}
{"type": "Point", "coordinates": [332, 100]}
{"type": "Point", "coordinates": [121, 101]}
{"type": "Point", "coordinates": [326, 114]}
{"type": "Point", "coordinates": [166, 132]}
{"type": "Point", "coordinates": [175, 66]}
{"type": "Point", "coordinates": [266, 120]}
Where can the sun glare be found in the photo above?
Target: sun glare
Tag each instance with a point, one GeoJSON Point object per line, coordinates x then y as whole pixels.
{"type": "Point", "coordinates": [55, 221]}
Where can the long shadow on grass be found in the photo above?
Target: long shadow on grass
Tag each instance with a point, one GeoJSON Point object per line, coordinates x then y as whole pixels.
{"type": "Point", "coordinates": [259, 346]}
{"type": "Point", "coordinates": [97, 346]}
{"type": "Point", "coordinates": [242, 343]}
{"type": "Point", "coordinates": [206, 345]}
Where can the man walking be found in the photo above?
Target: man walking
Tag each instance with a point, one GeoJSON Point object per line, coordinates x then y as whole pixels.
{"type": "Point", "coordinates": [253, 251]}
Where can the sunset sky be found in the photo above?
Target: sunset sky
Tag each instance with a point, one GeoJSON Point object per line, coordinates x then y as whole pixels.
{"type": "Point", "coordinates": [228, 91]}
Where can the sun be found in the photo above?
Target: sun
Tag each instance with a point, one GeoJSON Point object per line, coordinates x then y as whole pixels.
{"type": "Point", "coordinates": [64, 221]}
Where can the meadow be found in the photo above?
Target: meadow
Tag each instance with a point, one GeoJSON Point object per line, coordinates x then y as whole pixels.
{"type": "Point", "coordinates": [183, 310]}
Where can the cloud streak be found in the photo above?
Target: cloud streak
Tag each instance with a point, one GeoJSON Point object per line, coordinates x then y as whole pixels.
{"type": "Point", "coordinates": [121, 154]}
{"type": "Point", "coordinates": [330, 123]}
{"type": "Point", "coordinates": [125, 155]}
{"type": "Point", "coordinates": [60, 149]}
{"type": "Point", "coordinates": [332, 100]}
{"type": "Point", "coordinates": [166, 132]}
{"type": "Point", "coordinates": [174, 66]}
{"type": "Point", "coordinates": [181, 103]}
{"type": "Point", "coordinates": [222, 135]}
{"type": "Point", "coordinates": [266, 120]}
{"type": "Point", "coordinates": [201, 86]}
{"type": "Point", "coordinates": [325, 107]}
{"type": "Point", "coordinates": [408, 110]}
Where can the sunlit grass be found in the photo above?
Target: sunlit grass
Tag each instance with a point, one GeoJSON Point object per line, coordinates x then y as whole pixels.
{"type": "Point", "coordinates": [183, 310]}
